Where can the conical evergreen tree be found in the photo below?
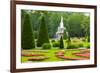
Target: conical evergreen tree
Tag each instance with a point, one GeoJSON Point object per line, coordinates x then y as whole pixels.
{"type": "Point", "coordinates": [64, 35]}
{"type": "Point", "coordinates": [43, 33]}
{"type": "Point", "coordinates": [27, 36]}
{"type": "Point", "coordinates": [68, 41]}
{"type": "Point", "coordinates": [61, 43]}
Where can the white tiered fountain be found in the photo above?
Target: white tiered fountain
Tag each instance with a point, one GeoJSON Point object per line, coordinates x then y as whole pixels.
{"type": "Point", "coordinates": [61, 29]}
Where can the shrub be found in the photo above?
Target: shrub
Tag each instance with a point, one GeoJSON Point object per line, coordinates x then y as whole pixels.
{"type": "Point", "coordinates": [58, 41]}
{"type": "Point", "coordinates": [88, 46]}
{"type": "Point", "coordinates": [43, 36]}
{"type": "Point", "coordinates": [66, 40]}
{"type": "Point", "coordinates": [46, 46]}
{"type": "Point", "coordinates": [56, 44]}
{"type": "Point", "coordinates": [53, 41]}
{"type": "Point", "coordinates": [88, 39]}
{"type": "Point", "coordinates": [27, 36]}
{"type": "Point", "coordinates": [61, 43]}
{"type": "Point", "coordinates": [80, 45]}
{"type": "Point", "coordinates": [83, 39]}
{"type": "Point", "coordinates": [75, 40]}
{"type": "Point", "coordinates": [72, 46]}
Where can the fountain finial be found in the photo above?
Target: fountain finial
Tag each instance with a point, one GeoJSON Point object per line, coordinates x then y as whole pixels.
{"type": "Point", "coordinates": [61, 23]}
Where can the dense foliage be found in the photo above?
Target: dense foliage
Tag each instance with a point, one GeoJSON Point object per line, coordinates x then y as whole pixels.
{"type": "Point", "coordinates": [55, 44]}
{"type": "Point", "coordinates": [72, 46]}
{"type": "Point", "coordinates": [72, 20]}
{"type": "Point", "coordinates": [46, 46]}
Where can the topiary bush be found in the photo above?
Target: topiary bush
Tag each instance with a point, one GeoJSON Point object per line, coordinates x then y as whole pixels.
{"type": "Point", "coordinates": [80, 45]}
{"type": "Point", "coordinates": [88, 46]}
{"type": "Point", "coordinates": [43, 36]}
{"type": "Point", "coordinates": [61, 43]}
{"type": "Point", "coordinates": [27, 34]}
{"type": "Point", "coordinates": [46, 46]}
{"type": "Point", "coordinates": [75, 40]}
{"type": "Point", "coordinates": [56, 44]}
{"type": "Point", "coordinates": [53, 41]}
{"type": "Point", "coordinates": [83, 39]}
{"type": "Point", "coordinates": [88, 39]}
{"type": "Point", "coordinates": [72, 46]}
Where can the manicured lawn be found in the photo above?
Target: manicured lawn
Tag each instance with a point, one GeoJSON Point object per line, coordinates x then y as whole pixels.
{"type": "Point", "coordinates": [50, 54]}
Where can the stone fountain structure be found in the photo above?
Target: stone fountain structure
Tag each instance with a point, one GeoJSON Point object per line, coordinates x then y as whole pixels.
{"type": "Point", "coordinates": [60, 30]}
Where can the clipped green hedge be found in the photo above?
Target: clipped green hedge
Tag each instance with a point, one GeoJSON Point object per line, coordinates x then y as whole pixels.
{"type": "Point", "coordinates": [46, 46]}
{"type": "Point", "coordinates": [88, 46]}
{"type": "Point", "coordinates": [56, 44]}
{"type": "Point", "coordinates": [80, 45]}
{"type": "Point", "coordinates": [53, 41]}
{"type": "Point", "coordinates": [72, 46]}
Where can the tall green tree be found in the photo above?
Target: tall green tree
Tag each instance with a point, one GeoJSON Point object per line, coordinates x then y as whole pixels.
{"type": "Point", "coordinates": [61, 43]}
{"type": "Point", "coordinates": [43, 32]}
{"type": "Point", "coordinates": [74, 25]}
{"type": "Point", "coordinates": [27, 36]}
{"type": "Point", "coordinates": [86, 27]}
{"type": "Point", "coordinates": [65, 36]}
{"type": "Point", "coordinates": [68, 40]}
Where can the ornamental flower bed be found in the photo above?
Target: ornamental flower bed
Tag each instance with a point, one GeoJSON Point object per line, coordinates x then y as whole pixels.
{"type": "Point", "coordinates": [86, 55]}
{"type": "Point", "coordinates": [69, 58]}
{"type": "Point", "coordinates": [28, 55]}
{"type": "Point", "coordinates": [37, 58]}
{"type": "Point", "coordinates": [85, 51]}
{"type": "Point", "coordinates": [59, 53]}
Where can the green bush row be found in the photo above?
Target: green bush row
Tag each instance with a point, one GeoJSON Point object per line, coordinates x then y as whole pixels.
{"type": "Point", "coordinates": [70, 46]}
{"type": "Point", "coordinates": [46, 46]}
{"type": "Point", "coordinates": [56, 44]}
{"type": "Point", "coordinates": [74, 46]}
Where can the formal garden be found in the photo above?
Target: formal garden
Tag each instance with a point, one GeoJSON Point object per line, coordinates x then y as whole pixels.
{"type": "Point", "coordinates": [48, 36]}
